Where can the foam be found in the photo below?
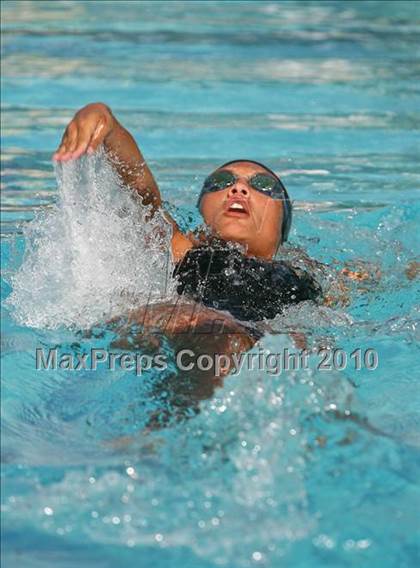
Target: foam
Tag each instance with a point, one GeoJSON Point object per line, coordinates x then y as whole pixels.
{"type": "Point", "coordinates": [93, 255]}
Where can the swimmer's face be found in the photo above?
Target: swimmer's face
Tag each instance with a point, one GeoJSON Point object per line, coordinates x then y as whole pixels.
{"type": "Point", "coordinates": [242, 214]}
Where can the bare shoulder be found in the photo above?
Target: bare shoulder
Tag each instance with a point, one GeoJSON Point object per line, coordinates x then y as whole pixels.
{"type": "Point", "coordinates": [181, 244]}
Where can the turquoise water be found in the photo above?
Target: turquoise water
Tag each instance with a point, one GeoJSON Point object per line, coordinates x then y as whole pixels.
{"type": "Point", "coordinates": [307, 468]}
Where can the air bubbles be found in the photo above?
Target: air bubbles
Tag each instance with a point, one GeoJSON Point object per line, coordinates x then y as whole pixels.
{"type": "Point", "coordinates": [361, 544]}
{"type": "Point", "coordinates": [324, 541]}
{"type": "Point", "coordinates": [257, 556]}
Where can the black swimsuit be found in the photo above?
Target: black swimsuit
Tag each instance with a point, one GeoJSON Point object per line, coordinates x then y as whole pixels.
{"type": "Point", "coordinates": [220, 276]}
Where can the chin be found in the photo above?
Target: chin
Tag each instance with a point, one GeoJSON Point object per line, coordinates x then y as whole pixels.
{"type": "Point", "coordinates": [233, 234]}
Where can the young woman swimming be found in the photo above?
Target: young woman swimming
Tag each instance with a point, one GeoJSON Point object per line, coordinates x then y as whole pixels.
{"type": "Point", "coordinates": [247, 213]}
{"type": "Point", "coordinates": [228, 271]}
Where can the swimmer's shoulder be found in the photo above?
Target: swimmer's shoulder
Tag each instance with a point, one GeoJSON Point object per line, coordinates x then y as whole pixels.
{"type": "Point", "coordinates": [181, 245]}
{"type": "Point", "coordinates": [201, 244]}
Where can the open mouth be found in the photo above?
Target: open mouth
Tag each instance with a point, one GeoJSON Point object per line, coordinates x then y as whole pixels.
{"type": "Point", "coordinates": [237, 209]}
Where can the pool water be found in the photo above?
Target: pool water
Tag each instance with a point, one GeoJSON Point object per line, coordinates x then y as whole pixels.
{"type": "Point", "coordinates": [303, 468]}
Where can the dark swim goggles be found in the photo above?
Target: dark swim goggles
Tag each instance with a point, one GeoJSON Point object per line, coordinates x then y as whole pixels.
{"type": "Point", "coordinates": [264, 183]}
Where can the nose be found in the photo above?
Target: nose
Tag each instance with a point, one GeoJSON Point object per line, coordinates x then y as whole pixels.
{"type": "Point", "coordinates": [239, 189]}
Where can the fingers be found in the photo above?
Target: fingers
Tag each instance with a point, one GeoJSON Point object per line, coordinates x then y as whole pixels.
{"type": "Point", "coordinates": [61, 150]}
{"type": "Point", "coordinates": [71, 141]}
{"type": "Point", "coordinates": [69, 138]}
{"type": "Point", "coordinates": [81, 146]}
{"type": "Point", "coordinates": [97, 137]}
{"type": "Point", "coordinates": [81, 137]}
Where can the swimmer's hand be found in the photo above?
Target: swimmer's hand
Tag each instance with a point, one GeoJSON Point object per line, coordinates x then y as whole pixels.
{"type": "Point", "coordinates": [85, 132]}
{"type": "Point", "coordinates": [94, 125]}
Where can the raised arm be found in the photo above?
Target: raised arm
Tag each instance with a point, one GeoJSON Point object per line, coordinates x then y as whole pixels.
{"type": "Point", "coordinates": [94, 125]}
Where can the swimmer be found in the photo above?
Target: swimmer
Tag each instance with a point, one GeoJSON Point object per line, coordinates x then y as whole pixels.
{"type": "Point", "coordinates": [228, 269]}
{"type": "Point", "coordinates": [247, 214]}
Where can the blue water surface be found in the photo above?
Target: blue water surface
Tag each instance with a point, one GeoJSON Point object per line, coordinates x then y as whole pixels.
{"type": "Point", "coordinates": [307, 468]}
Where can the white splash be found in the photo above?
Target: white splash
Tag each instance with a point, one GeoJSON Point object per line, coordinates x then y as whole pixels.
{"type": "Point", "coordinates": [93, 255]}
